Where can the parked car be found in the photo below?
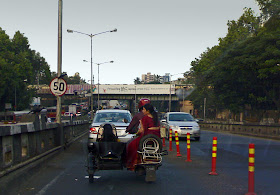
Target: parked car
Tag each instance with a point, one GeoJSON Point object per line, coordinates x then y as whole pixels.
{"type": "Point", "coordinates": [181, 122]}
{"type": "Point", "coordinates": [120, 119]}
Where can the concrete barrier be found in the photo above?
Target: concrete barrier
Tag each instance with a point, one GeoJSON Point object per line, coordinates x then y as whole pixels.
{"type": "Point", "coordinates": [267, 131]}
{"type": "Point", "coordinates": [34, 138]}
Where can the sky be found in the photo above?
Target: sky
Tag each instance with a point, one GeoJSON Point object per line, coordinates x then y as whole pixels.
{"type": "Point", "coordinates": [157, 36]}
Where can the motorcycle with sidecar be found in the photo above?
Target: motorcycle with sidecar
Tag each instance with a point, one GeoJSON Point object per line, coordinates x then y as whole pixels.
{"type": "Point", "coordinates": [108, 152]}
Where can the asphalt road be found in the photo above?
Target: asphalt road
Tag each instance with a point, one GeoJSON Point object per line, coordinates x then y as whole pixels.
{"type": "Point", "coordinates": [65, 172]}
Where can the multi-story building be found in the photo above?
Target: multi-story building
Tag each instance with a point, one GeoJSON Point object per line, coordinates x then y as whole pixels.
{"type": "Point", "coordinates": [166, 78]}
{"type": "Point", "coordinates": [146, 78]}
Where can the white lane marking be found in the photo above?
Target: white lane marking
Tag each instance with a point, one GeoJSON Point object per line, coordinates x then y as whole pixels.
{"type": "Point", "coordinates": [44, 189]}
{"type": "Point", "coordinates": [95, 177]}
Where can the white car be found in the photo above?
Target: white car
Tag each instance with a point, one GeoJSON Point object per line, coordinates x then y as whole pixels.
{"type": "Point", "coordinates": [181, 122]}
{"type": "Point", "coordinates": [120, 118]}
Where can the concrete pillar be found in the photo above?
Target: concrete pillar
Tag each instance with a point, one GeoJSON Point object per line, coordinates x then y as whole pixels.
{"type": "Point", "coordinates": [59, 135]}
{"type": "Point", "coordinates": [24, 145]}
{"type": "Point", "coordinates": [38, 143]}
{"type": "Point", "coordinates": [32, 144]}
{"type": "Point", "coordinates": [7, 144]}
{"type": "Point", "coordinates": [43, 120]}
{"type": "Point", "coordinates": [17, 148]}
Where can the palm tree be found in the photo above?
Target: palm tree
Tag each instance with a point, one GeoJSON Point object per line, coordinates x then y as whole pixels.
{"type": "Point", "coordinates": [137, 81]}
{"type": "Point", "coordinates": [158, 78]}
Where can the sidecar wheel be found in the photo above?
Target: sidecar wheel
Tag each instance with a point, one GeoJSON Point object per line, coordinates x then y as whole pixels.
{"type": "Point", "coordinates": [149, 141]}
{"type": "Point", "coordinates": [91, 178]}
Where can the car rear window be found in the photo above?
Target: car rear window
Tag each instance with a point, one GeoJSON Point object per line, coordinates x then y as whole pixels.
{"type": "Point", "coordinates": [180, 117]}
{"type": "Point", "coordinates": [111, 117]}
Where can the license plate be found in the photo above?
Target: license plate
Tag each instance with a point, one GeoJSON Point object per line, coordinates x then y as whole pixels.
{"type": "Point", "coordinates": [184, 132]}
{"type": "Point", "coordinates": [186, 128]}
{"type": "Point", "coordinates": [152, 168]}
{"type": "Point", "coordinates": [120, 132]}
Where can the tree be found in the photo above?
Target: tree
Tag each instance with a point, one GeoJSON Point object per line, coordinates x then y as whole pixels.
{"type": "Point", "coordinates": [216, 72]}
{"type": "Point", "coordinates": [18, 65]}
{"type": "Point", "coordinates": [269, 8]}
{"type": "Point", "coordinates": [137, 81]}
{"type": "Point", "coordinates": [157, 78]}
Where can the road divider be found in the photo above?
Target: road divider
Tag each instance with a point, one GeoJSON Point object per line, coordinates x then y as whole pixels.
{"type": "Point", "coordinates": [188, 148]}
{"type": "Point", "coordinates": [251, 170]}
{"type": "Point", "coordinates": [214, 156]}
{"type": "Point", "coordinates": [177, 144]}
{"type": "Point", "coordinates": [170, 139]}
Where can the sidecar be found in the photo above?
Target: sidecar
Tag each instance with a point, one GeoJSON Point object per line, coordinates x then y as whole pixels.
{"type": "Point", "coordinates": [109, 153]}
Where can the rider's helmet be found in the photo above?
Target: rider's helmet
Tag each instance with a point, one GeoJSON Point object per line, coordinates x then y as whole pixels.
{"type": "Point", "coordinates": [142, 102]}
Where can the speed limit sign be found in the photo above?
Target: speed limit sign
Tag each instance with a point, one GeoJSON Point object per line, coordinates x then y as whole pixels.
{"type": "Point", "coordinates": [58, 86]}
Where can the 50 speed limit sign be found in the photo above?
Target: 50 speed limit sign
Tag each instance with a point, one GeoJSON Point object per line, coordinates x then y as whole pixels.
{"type": "Point", "coordinates": [58, 86]}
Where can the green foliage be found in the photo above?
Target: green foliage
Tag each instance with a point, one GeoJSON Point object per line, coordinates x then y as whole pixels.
{"type": "Point", "coordinates": [242, 70]}
{"type": "Point", "coordinates": [153, 82]}
{"type": "Point", "coordinates": [137, 81]}
{"type": "Point", "coordinates": [269, 8]}
{"type": "Point", "coordinates": [76, 79]}
{"type": "Point", "coordinates": [19, 67]}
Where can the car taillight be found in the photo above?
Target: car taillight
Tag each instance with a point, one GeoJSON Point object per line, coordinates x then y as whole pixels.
{"type": "Point", "coordinates": [93, 130]}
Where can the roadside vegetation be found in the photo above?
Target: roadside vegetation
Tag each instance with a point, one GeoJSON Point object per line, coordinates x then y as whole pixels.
{"type": "Point", "coordinates": [20, 66]}
{"type": "Point", "coordinates": [242, 72]}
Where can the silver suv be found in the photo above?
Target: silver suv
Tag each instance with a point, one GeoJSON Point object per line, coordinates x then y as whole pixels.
{"type": "Point", "coordinates": [181, 122]}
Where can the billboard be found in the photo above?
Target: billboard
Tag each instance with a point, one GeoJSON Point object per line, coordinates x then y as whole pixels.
{"type": "Point", "coordinates": [135, 89]}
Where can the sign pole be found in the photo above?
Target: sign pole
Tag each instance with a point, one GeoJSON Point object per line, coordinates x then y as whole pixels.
{"type": "Point", "coordinates": [59, 60]}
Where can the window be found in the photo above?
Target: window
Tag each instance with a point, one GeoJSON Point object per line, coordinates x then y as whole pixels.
{"type": "Point", "coordinates": [111, 117]}
{"type": "Point", "coordinates": [180, 117]}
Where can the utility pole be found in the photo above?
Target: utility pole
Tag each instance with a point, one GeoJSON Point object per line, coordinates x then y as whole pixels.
{"type": "Point", "coordinates": [204, 108]}
{"type": "Point", "coordinates": [59, 59]}
{"type": "Point", "coordinates": [135, 108]}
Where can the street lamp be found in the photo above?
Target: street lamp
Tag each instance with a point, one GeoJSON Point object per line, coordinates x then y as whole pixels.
{"type": "Point", "coordinates": [170, 91]}
{"type": "Point", "coordinates": [91, 35]}
{"type": "Point", "coordinates": [98, 64]}
{"type": "Point", "coordinates": [135, 109]}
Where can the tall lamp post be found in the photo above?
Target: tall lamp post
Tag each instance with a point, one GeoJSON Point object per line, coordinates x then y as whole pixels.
{"type": "Point", "coordinates": [91, 35]}
{"type": "Point", "coordinates": [169, 107]}
{"type": "Point", "coordinates": [98, 64]}
{"type": "Point", "coordinates": [135, 109]}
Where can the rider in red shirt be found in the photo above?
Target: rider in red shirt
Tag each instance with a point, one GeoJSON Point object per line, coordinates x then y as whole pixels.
{"type": "Point", "coordinates": [149, 125]}
{"type": "Point", "coordinates": [134, 124]}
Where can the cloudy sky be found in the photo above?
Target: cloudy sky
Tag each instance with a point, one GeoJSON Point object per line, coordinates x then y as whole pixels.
{"type": "Point", "coordinates": [157, 36]}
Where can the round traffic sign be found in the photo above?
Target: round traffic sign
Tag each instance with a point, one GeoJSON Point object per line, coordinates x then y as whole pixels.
{"type": "Point", "coordinates": [58, 86]}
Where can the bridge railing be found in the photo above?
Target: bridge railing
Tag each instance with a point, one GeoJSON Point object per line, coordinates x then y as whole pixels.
{"type": "Point", "coordinates": [33, 139]}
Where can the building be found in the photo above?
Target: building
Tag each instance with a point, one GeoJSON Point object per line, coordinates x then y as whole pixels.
{"type": "Point", "coordinates": [166, 78]}
{"type": "Point", "coordinates": [147, 78]}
